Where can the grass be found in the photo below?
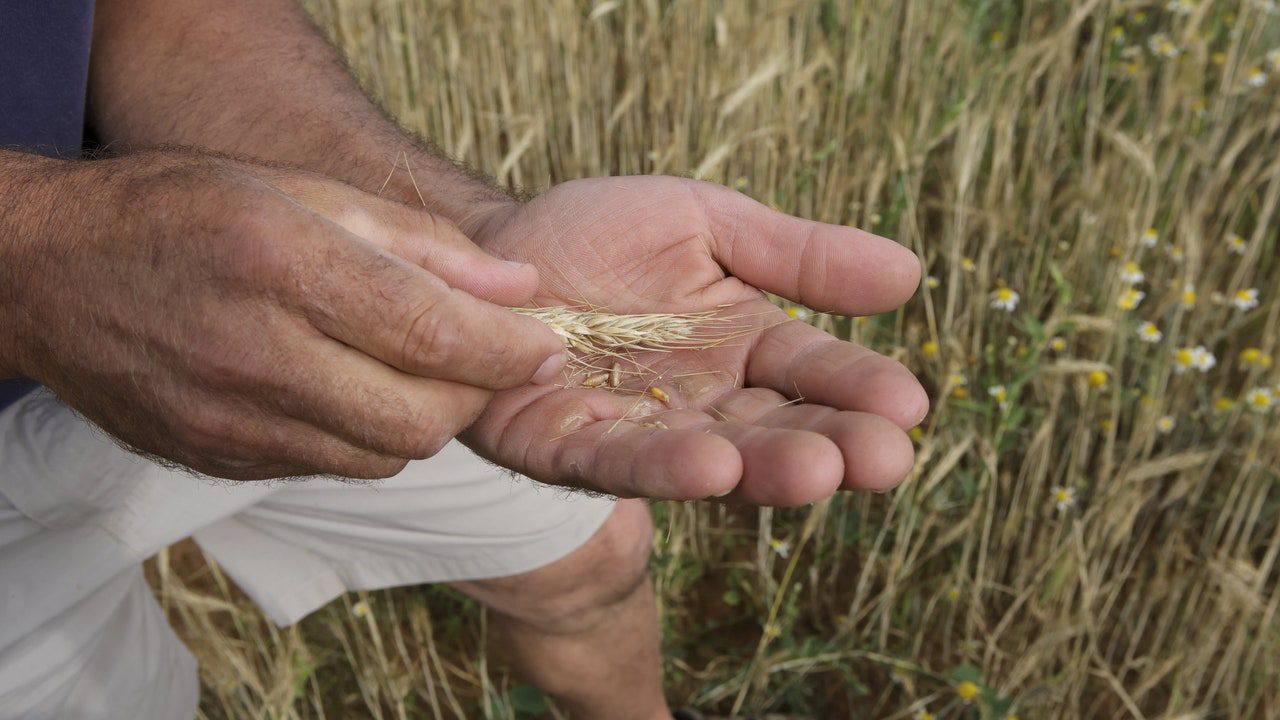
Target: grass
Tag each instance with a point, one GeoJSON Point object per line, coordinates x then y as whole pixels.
{"type": "Point", "coordinates": [1093, 526]}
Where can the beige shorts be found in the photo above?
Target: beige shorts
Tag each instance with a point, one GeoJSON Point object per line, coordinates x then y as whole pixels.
{"type": "Point", "coordinates": [79, 630]}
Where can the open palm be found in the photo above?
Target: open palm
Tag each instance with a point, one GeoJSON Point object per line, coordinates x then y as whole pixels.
{"type": "Point", "coordinates": [782, 414]}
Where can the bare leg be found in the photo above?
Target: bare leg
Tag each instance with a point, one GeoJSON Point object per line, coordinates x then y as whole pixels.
{"type": "Point", "coordinates": [585, 628]}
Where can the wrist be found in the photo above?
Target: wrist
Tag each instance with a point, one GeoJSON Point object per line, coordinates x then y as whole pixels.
{"type": "Point", "coordinates": [29, 184]}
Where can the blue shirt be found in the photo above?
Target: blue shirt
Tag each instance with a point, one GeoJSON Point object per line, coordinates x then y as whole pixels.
{"type": "Point", "coordinates": [44, 69]}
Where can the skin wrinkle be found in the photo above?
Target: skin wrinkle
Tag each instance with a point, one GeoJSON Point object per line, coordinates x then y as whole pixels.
{"type": "Point", "coordinates": [812, 267]}
{"type": "Point", "coordinates": [423, 341]}
{"type": "Point", "coordinates": [761, 352]}
{"type": "Point", "coordinates": [722, 250]}
{"type": "Point", "coordinates": [677, 249]}
{"type": "Point", "coordinates": [513, 423]}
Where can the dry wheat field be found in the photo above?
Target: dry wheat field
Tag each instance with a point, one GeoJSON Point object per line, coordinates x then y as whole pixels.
{"type": "Point", "coordinates": [1092, 529]}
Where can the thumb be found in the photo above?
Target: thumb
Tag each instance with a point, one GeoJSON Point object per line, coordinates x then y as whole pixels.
{"type": "Point", "coordinates": [827, 267]}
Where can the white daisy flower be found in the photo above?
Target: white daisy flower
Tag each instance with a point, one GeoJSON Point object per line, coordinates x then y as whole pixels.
{"type": "Point", "coordinates": [1183, 360]}
{"type": "Point", "coordinates": [1245, 299]}
{"type": "Point", "coordinates": [1180, 7]}
{"type": "Point", "coordinates": [1004, 299]}
{"type": "Point", "coordinates": [1064, 498]}
{"type": "Point", "coordinates": [1166, 424]}
{"type": "Point", "coordinates": [1255, 77]}
{"type": "Point", "coordinates": [1260, 399]}
{"type": "Point", "coordinates": [782, 547]}
{"type": "Point", "coordinates": [1000, 394]}
{"type": "Point", "coordinates": [1189, 296]}
{"type": "Point", "coordinates": [1204, 360]}
{"type": "Point", "coordinates": [1161, 45]}
{"type": "Point", "coordinates": [1131, 299]}
{"type": "Point", "coordinates": [1131, 273]}
{"type": "Point", "coordinates": [1197, 357]}
{"type": "Point", "coordinates": [1149, 237]}
{"type": "Point", "coordinates": [360, 609]}
{"type": "Point", "coordinates": [1148, 332]}
{"type": "Point", "coordinates": [1236, 244]}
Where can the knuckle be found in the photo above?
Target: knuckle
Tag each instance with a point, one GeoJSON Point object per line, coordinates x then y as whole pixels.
{"type": "Point", "coordinates": [358, 219]}
{"type": "Point", "coordinates": [439, 228]}
{"type": "Point", "coordinates": [254, 242]}
{"type": "Point", "coordinates": [368, 466]}
{"type": "Point", "coordinates": [251, 472]}
{"type": "Point", "coordinates": [426, 340]}
{"type": "Point", "coordinates": [423, 439]}
{"type": "Point", "coordinates": [429, 444]}
{"type": "Point", "coordinates": [232, 361]}
{"type": "Point", "coordinates": [207, 433]}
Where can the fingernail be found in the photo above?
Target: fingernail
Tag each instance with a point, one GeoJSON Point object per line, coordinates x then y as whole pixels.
{"type": "Point", "coordinates": [550, 369]}
{"type": "Point", "coordinates": [918, 410]}
{"type": "Point", "coordinates": [726, 492]}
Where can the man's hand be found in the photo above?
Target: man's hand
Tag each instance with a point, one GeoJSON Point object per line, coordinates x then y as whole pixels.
{"type": "Point", "coordinates": [251, 322]}
{"type": "Point", "coordinates": [655, 244]}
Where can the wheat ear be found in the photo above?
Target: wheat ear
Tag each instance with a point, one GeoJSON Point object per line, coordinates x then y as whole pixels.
{"type": "Point", "coordinates": [593, 333]}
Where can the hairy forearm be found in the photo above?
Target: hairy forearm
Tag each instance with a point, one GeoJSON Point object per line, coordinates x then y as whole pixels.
{"type": "Point", "coordinates": [27, 184]}
{"type": "Point", "coordinates": [254, 78]}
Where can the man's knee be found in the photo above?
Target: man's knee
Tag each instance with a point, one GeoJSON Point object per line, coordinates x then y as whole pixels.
{"type": "Point", "coordinates": [570, 594]}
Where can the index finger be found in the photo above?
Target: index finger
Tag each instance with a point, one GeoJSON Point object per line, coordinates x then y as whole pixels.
{"type": "Point", "coordinates": [409, 319]}
{"type": "Point", "coordinates": [826, 267]}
